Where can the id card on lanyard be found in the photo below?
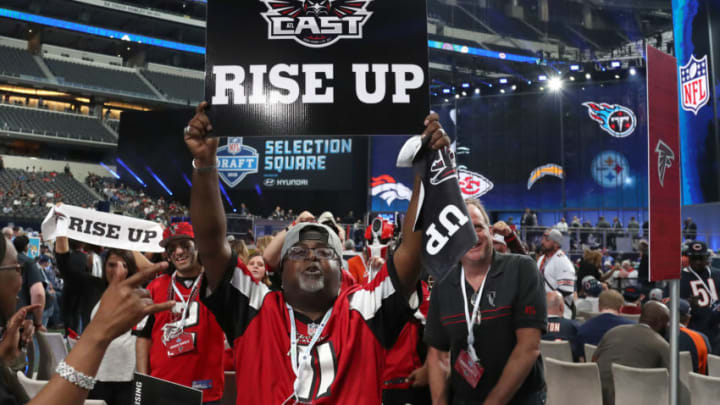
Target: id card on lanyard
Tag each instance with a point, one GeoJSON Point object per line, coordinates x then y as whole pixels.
{"type": "Point", "coordinates": [175, 339]}
{"type": "Point", "coordinates": [302, 362]}
{"type": "Point", "coordinates": [468, 364]}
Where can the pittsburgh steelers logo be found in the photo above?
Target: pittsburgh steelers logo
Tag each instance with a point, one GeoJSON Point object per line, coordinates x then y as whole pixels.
{"type": "Point", "coordinates": [611, 169]}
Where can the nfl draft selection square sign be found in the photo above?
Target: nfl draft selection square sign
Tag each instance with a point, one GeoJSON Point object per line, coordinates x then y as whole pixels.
{"type": "Point", "coordinates": [663, 166]}
{"type": "Point", "coordinates": [317, 67]}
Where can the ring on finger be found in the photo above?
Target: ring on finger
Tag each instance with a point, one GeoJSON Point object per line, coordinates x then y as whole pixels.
{"type": "Point", "coordinates": [186, 131]}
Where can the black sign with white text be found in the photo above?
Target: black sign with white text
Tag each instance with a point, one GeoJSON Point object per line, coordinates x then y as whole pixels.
{"type": "Point", "coordinates": [317, 67]}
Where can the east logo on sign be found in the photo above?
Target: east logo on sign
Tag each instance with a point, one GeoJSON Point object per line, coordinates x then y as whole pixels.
{"type": "Point", "coordinates": [694, 84]}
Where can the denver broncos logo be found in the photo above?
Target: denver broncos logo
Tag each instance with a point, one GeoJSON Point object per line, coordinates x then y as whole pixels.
{"type": "Point", "coordinates": [385, 187]}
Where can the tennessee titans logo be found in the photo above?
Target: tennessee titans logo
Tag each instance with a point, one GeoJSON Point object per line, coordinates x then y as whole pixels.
{"type": "Point", "coordinates": [616, 120]}
{"type": "Point", "coordinates": [236, 161]}
{"type": "Point", "coordinates": [611, 169]}
{"type": "Point", "coordinates": [316, 23]}
{"type": "Point", "coordinates": [387, 188]}
{"type": "Point", "coordinates": [443, 168]}
{"type": "Point", "coordinates": [694, 84]}
{"type": "Point", "coordinates": [665, 159]}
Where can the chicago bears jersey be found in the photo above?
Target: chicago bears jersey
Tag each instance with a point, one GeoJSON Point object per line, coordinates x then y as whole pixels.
{"type": "Point", "coordinates": [701, 289]}
{"type": "Point", "coordinates": [348, 358]}
{"type": "Point", "coordinates": [200, 367]}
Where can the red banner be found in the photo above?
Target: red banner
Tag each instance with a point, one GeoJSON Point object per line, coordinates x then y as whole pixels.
{"type": "Point", "coordinates": [663, 166]}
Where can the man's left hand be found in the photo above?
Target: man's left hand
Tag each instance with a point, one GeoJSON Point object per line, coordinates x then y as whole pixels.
{"type": "Point", "coordinates": [419, 377]}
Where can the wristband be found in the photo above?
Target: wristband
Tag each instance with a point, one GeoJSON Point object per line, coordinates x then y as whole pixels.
{"type": "Point", "coordinates": [206, 169]}
{"type": "Point", "coordinates": [75, 377]}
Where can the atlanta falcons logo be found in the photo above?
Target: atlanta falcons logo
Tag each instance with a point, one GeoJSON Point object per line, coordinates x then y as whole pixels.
{"type": "Point", "coordinates": [389, 190]}
{"type": "Point", "coordinates": [316, 23]}
{"type": "Point", "coordinates": [665, 159]}
{"type": "Point", "coordinates": [443, 168]}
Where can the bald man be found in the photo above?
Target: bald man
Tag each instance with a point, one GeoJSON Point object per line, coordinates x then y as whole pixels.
{"type": "Point", "coordinates": [640, 345]}
{"type": "Point", "coordinates": [558, 327]}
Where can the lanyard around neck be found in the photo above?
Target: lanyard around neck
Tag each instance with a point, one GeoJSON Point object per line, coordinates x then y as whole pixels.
{"type": "Point", "coordinates": [301, 363]}
{"type": "Point", "coordinates": [475, 313]}
{"type": "Point", "coordinates": [185, 304]}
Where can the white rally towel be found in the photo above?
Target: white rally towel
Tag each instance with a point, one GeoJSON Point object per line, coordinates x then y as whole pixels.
{"type": "Point", "coordinates": [102, 229]}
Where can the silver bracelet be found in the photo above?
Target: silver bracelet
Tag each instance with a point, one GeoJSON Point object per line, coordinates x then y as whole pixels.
{"type": "Point", "coordinates": [206, 169]}
{"type": "Point", "coordinates": [75, 377]}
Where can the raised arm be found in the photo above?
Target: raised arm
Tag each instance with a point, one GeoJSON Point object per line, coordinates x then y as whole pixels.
{"type": "Point", "coordinates": [206, 207]}
{"type": "Point", "coordinates": [407, 256]}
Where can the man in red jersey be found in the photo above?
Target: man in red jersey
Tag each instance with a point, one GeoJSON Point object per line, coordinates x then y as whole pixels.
{"type": "Point", "coordinates": [311, 342]}
{"type": "Point", "coordinates": [184, 345]}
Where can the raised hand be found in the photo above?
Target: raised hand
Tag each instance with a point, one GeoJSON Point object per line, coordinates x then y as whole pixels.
{"type": "Point", "coordinates": [16, 329]}
{"type": "Point", "coordinates": [196, 138]}
{"type": "Point", "coordinates": [439, 138]}
{"type": "Point", "coordinates": [125, 304]}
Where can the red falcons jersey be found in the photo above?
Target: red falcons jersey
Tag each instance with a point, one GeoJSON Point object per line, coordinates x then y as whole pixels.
{"type": "Point", "coordinates": [348, 359]}
{"type": "Point", "coordinates": [404, 358]}
{"type": "Point", "coordinates": [201, 368]}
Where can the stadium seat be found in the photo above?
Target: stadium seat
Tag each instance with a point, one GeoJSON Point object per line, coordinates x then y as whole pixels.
{"type": "Point", "coordinates": [713, 365]}
{"type": "Point", "coordinates": [589, 352]}
{"type": "Point", "coordinates": [93, 76]}
{"type": "Point", "coordinates": [177, 87]}
{"type": "Point", "coordinates": [640, 386]}
{"type": "Point", "coordinates": [31, 387]}
{"type": "Point", "coordinates": [52, 351]}
{"type": "Point", "coordinates": [18, 62]}
{"type": "Point", "coordinates": [230, 392]}
{"type": "Point", "coordinates": [566, 382]}
{"type": "Point", "coordinates": [704, 390]}
{"type": "Point", "coordinates": [556, 350]}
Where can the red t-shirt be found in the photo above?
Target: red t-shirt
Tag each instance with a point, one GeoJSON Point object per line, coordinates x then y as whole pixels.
{"type": "Point", "coordinates": [201, 368]}
{"type": "Point", "coordinates": [348, 359]}
{"type": "Point", "coordinates": [404, 358]}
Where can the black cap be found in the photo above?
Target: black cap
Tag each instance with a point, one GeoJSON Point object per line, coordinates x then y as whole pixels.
{"type": "Point", "coordinates": [697, 248]}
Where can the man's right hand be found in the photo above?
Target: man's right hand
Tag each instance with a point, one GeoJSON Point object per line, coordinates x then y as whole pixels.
{"type": "Point", "coordinates": [200, 146]}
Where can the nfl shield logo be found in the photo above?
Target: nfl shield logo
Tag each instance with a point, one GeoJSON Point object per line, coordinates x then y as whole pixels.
{"type": "Point", "coordinates": [694, 84]}
{"type": "Point", "coordinates": [234, 145]}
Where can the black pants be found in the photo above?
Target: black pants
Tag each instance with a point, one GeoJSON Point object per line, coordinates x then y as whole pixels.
{"type": "Point", "coordinates": [114, 393]}
{"type": "Point", "coordinates": [535, 398]}
{"type": "Point", "coordinates": [412, 396]}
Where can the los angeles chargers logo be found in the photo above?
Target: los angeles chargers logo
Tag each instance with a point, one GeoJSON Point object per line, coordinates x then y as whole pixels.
{"type": "Point", "coordinates": [545, 170]}
{"type": "Point", "coordinates": [316, 23]}
{"type": "Point", "coordinates": [236, 161]}
{"type": "Point", "coordinates": [694, 84]}
{"type": "Point", "coordinates": [616, 120]}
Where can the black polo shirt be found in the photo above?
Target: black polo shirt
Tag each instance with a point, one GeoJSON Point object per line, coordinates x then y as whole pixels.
{"type": "Point", "coordinates": [514, 297]}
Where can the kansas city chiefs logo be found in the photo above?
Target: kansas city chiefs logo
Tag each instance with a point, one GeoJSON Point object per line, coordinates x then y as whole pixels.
{"type": "Point", "coordinates": [473, 185]}
{"type": "Point", "coordinates": [316, 23]}
{"type": "Point", "coordinates": [665, 159]}
{"type": "Point", "coordinates": [389, 190]}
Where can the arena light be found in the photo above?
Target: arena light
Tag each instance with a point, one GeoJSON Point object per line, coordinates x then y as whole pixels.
{"type": "Point", "coordinates": [111, 171]}
{"type": "Point", "coordinates": [225, 194]}
{"type": "Point", "coordinates": [464, 93]}
{"type": "Point", "coordinates": [555, 83]}
{"type": "Point", "coordinates": [514, 87]}
{"type": "Point", "coordinates": [617, 76]}
{"type": "Point", "coordinates": [469, 50]}
{"type": "Point", "coordinates": [502, 91]}
{"type": "Point", "coordinates": [477, 91]}
{"type": "Point", "coordinates": [542, 78]}
{"type": "Point", "coordinates": [139, 180]}
{"type": "Point", "coordinates": [187, 180]}
{"type": "Point", "coordinates": [615, 64]}
{"type": "Point", "coordinates": [633, 72]}
{"type": "Point", "coordinates": [588, 76]}
{"type": "Point", "coordinates": [466, 85]}
{"type": "Point", "coordinates": [446, 91]}
{"type": "Point", "coordinates": [503, 80]}
{"type": "Point", "coordinates": [575, 68]}
{"type": "Point", "coordinates": [97, 31]}
{"type": "Point", "coordinates": [157, 179]}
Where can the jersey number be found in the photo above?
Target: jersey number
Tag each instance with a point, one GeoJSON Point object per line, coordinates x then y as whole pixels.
{"type": "Point", "coordinates": [323, 372]}
{"type": "Point", "coordinates": [705, 297]}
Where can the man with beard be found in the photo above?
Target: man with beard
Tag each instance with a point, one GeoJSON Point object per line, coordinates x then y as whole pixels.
{"type": "Point", "coordinates": [487, 317]}
{"type": "Point", "coordinates": [311, 341]}
{"type": "Point", "coordinates": [184, 345]}
{"type": "Point", "coordinates": [640, 345]}
{"type": "Point", "coordinates": [557, 270]}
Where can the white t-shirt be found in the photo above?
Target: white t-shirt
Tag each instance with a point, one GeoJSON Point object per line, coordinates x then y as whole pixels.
{"type": "Point", "coordinates": [118, 365]}
{"type": "Point", "coordinates": [559, 275]}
